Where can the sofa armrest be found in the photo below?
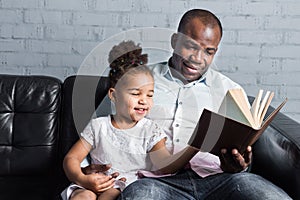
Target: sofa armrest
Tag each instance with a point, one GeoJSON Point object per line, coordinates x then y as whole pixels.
{"type": "Point", "coordinates": [276, 155]}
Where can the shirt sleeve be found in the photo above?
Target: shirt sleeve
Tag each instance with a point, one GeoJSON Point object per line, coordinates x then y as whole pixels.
{"type": "Point", "coordinates": [157, 134]}
{"type": "Point", "coordinates": [88, 133]}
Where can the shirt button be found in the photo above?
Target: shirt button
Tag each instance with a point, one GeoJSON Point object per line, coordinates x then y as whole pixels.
{"type": "Point", "coordinates": [180, 103]}
{"type": "Point", "coordinates": [176, 125]}
{"type": "Point", "coordinates": [177, 140]}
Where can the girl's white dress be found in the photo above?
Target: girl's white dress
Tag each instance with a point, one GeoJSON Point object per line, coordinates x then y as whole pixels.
{"type": "Point", "coordinates": [126, 150]}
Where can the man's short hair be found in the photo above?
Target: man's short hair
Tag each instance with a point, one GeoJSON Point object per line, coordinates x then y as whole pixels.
{"type": "Point", "coordinates": [206, 17]}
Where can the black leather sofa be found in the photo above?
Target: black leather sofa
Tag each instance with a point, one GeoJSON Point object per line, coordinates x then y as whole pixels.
{"type": "Point", "coordinates": [40, 118]}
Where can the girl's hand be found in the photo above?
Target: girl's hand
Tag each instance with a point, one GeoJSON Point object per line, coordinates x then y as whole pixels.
{"type": "Point", "coordinates": [98, 182]}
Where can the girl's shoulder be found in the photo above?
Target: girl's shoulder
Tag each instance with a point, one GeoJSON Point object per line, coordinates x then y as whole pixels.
{"type": "Point", "coordinates": [100, 120]}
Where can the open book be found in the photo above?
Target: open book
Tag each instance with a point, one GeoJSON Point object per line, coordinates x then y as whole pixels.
{"type": "Point", "coordinates": [237, 123]}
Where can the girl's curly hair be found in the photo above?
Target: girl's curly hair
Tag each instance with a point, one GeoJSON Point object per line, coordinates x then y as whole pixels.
{"type": "Point", "coordinates": [123, 57]}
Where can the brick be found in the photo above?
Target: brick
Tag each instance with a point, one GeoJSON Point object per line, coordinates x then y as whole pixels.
{"type": "Point", "coordinates": [11, 16]}
{"type": "Point", "coordinates": [157, 55]}
{"type": "Point", "coordinates": [290, 107]}
{"type": "Point", "coordinates": [220, 8]}
{"type": "Point", "coordinates": [172, 21]}
{"type": "Point", "coordinates": [42, 46]}
{"type": "Point", "coordinates": [151, 33]}
{"type": "Point", "coordinates": [270, 37]}
{"type": "Point", "coordinates": [95, 19]}
{"type": "Point", "coordinates": [42, 17]}
{"type": "Point", "coordinates": [175, 6]}
{"type": "Point", "coordinates": [283, 23]}
{"type": "Point", "coordinates": [83, 47]}
{"type": "Point", "coordinates": [111, 31]}
{"type": "Point", "coordinates": [78, 5]}
{"type": "Point", "coordinates": [150, 6]}
{"type": "Point", "coordinates": [243, 22]}
{"type": "Point", "coordinates": [66, 32]}
{"type": "Point", "coordinates": [260, 8]}
{"type": "Point", "coordinates": [292, 37]}
{"type": "Point", "coordinates": [23, 59]}
{"type": "Point", "coordinates": [291, 92]}
{"type": "Point", "coordinates": [234, 50]}
{"type": "Point", "coordinates": [291, 65]}
{"type": "Point", "coordinates": [6, 31]}
{"type": "Point", "coordinates": [152, 20]}
{"type": "Point", "coordinates": [11, 70]}
{"type": "Point", "coordinates": [242, 78]}
{"type": "Point", "coordinates": [286, 78]}
{"type": "Point", "coordinates": [27, 31]}
{"type": "Point", "coordinates": [3, 60]}
{"type": "Point", "coordinates": [247, 65]}
{"type": "Point", "coordinates": [229, 36]}
{"type": "Point", "coordinates": [116, 5]}
{"type": "Point", "coordinates": [58, 72]}
{"type": "Point", "coordinates": [281, 51]}
{"type": "Point", "coordinates": [9, 45]}
{"type": "Point", "coordinates": [59, 60]}
{"type": "Point", "coordinates": [22, 4]}
{"type": "Point", "coordinates": [291, 9]}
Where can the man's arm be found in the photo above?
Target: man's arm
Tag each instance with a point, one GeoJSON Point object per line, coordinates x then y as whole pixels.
{"type": "Point", "coordinates": [165, 162]}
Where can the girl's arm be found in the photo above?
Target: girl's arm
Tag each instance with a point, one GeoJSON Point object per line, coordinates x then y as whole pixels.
{"type": "Point", "coordinates": [167, 163]}
{"type": "Point", "coordinates": [74, 157]}
{"type": "Point", "coordinates": [97, 182]}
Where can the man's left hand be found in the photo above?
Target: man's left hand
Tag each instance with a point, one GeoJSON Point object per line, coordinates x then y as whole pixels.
{"type": "Point", "coordinates": [233, 161]}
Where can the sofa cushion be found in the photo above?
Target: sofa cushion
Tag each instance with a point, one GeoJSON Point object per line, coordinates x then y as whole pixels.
{"type": "Point", "coordinates": [29, 128]}
{"type": "Point", "coordinates": [81, 96]}
{"type": "Point", "coordinates": [276, 155]}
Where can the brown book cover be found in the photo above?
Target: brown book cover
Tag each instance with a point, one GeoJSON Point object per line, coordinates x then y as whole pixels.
{"type": "Point", "coordinates": [215, 131]}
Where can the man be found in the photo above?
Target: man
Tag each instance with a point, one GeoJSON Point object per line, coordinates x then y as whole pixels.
{"type": "Point", "coordinates": [184, 87]}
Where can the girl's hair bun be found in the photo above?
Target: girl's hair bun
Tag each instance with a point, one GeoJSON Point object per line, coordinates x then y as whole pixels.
{"type": "Point", "coordinates": [123, 57]}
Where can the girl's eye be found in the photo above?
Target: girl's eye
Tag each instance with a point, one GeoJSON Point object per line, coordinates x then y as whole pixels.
{"type": "Point", "coordinates": [150, 95]}
{"type": "Point", "coordinates": [135, 94]}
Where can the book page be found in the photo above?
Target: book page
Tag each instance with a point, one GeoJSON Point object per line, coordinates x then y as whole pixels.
{"type": "Point", "coordinates": [255, 106]}
{"type": "Point", "coordinates": [236, 106]}
{"type": "Point", "coordinates": [243, 104]}
{"type": "Point", "coordinates": [263, 104]}
{"type": "Point", "coordinates": [265, 108]}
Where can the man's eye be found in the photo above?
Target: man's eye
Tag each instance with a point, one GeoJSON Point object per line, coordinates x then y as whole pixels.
{"type": "Point", "coordinates": [135, 94]}
{"type": "Point", "coordinates": [191, 47]}
{"type": "Point", "coordinates": [210, 52]}
{"type": "Point", "coordinates": [150, 95]}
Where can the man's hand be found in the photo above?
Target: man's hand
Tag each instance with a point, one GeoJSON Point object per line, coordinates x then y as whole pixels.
{"type": "Point", "coordinates": [235, 162]}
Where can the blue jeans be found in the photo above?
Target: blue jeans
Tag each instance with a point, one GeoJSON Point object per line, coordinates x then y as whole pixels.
{"type": "Point", "coordinates": [188, 185]}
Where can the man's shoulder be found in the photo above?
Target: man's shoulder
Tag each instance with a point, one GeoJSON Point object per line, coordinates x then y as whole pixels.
{"type": "Point", "coordinates": [159, 68]}
{"type": "Point", "coordinates": [216, 76]}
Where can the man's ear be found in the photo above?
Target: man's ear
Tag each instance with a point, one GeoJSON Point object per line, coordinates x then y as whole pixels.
{"type": "Point", "coordinates": [174, 39]}
{"type": "Point", "coordinates": [111, 94]}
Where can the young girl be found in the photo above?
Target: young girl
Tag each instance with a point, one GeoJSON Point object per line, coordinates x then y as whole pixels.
{"type": "Point", "coordinates": [126, 140]}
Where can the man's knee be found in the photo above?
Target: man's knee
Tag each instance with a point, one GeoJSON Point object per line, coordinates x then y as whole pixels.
{"type": "Point", "coordinates": [142, 189]}
{"type": "Point", "coordinates": [255, 186]}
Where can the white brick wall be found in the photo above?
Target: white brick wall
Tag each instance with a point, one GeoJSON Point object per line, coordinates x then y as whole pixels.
{"type": "Point", "coordinates": [260, 47]}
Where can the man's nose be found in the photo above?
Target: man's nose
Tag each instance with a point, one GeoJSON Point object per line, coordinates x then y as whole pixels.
{"type": "Point", "coordinates": [197, 56]}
